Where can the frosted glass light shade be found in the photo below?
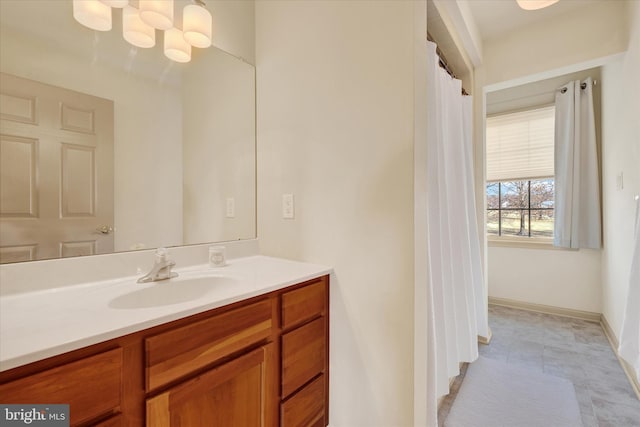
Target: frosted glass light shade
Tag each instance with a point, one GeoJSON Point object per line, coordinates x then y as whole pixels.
{"type": "Point", "coordinates": [116, 3]}
{"type": "Point", "coordinates": [135, 31]}
{"type": "Point", "coordinates": [157, 13]}
{"type": "Point", "coordinates": [535, 4]}
{"type": "Point", "coordinates": [176, 47]}
{"type": "Point", "coordinates": [196, 25]}
{"type": "Point", "coordinates": [92, 14]}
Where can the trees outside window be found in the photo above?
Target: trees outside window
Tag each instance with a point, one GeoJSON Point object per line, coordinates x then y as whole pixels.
{"type": "Point", "coordinates": [520, 208]}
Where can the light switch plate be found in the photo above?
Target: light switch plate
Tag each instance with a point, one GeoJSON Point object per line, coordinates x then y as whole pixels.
{"type": "Point", "coordinates": [287, 206]}
{"type": "Point", "coordinates": [620, 181]}
{"type": "Point", "coordinates": [231, 207]}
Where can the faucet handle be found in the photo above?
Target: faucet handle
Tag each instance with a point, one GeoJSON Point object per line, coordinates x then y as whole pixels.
{"type": "Point", "coordinates": [162, 254]}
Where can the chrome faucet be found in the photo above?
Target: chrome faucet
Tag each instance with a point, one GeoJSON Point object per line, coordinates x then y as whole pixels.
{"type": "Point", "coordinates": [161, 268]}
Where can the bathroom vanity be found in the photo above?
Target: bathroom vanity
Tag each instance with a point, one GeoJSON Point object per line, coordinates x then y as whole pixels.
{"type": "Point", "coordinates": [250, 352]}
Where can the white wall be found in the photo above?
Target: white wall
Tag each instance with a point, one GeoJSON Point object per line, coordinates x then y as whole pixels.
{"type": "Point", "coordinates": [621, 155]}
{"type": "Point", "coordinates": [559, 278]}
{"type": "Point", "coordinates": [335, 128]}
{"type": "Point", "coordinates": [580, 36]}
{"type": "Point", "coordinates": [564, 44]}
{"type": "Point", "coordinates": [234, 27]}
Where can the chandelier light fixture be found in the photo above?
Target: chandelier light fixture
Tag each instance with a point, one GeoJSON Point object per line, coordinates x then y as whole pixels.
{"type": "Point", "coordinates": [535, 4]}
{"type": "Point", "coordinates": [157, 13]}
{"type": "Point", "coordinates": [93, 14]}
{"type": "Point", "coordinates": [196, 24]}
{"type": "Point", "coordinates": [116, 3]}
{"type": "Point", "coordinates": [139, 24]}
{"type": "Point", "coordinates": [176, 47]}
{"type": "Point", "coordinates": [135, 30]}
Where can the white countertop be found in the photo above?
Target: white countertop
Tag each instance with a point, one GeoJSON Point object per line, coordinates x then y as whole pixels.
{"type": "Point", "coordinates": [41, 324]}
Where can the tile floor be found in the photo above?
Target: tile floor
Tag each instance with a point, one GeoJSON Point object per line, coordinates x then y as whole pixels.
{"type": "Point", "coordinates": [574, 349]}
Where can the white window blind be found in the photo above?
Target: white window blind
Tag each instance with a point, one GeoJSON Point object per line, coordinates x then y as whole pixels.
{"type": "Point", "coordinates": [520, 145]}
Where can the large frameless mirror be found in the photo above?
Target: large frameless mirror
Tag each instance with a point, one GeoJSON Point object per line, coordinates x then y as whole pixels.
{"type": "Point", "coordinates": [106, 147]}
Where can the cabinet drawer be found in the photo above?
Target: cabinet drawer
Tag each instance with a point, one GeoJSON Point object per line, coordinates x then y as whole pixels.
{"type": "Point", "coordinates": [91, 386]}
{"type": "Point", "coordinates": [303, 355]}
{"type": "Point", "coordinates": [303, 303]}
{"type": "Point", "coordinates": [176, 353]}
{"type": "Point", "coordinates": [306, 407]}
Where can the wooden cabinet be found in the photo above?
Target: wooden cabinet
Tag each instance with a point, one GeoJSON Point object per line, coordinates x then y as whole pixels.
{"type": "Point", "coordinates": [232, 394]}
{"type": "Point", "coordinates": [307, 407]}
{"type": "Point", "coordinates": [262, 362]}
{"type": "Point", "coordinates": [176, 353]}
{"type": "Point", "coordinates": [305, 303]}
{"type": "Point", "coordinates": [305, 356]}
{"type": "Point", "coordinates": [91, 386]}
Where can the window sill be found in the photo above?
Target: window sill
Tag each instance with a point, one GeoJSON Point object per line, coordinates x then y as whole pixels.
{"type": "Point", "coordinates": [523, 243]}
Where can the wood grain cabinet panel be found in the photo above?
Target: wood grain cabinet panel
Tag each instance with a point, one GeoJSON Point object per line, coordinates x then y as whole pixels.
{"type": "Point", "coordinates": [176, 353]}
{"type": "Point", "coordinates": [233, 394]}
{"type": "Point", "coordinates": [304, 303]}
{"type": "Point", "coordinates": [303, 355]}
{"type": "Point", "coordinates": [306, 408]}
{"type": "Point", "coordinates": [91, 386]}
{"type": "Point", "coordinates": [116, 421]}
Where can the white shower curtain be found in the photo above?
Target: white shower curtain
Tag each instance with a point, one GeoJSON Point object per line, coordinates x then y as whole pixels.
{"type": "Point", "coordinates": [577, 187]}
{"type": "Point", "coordinates": [455, 279]}
{"type": "Point", "coordinates": [629, 347]}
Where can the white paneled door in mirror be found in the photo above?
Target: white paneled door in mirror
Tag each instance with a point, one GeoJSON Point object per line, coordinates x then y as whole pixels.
{"type": "Point", "coordinates": [56, 172]}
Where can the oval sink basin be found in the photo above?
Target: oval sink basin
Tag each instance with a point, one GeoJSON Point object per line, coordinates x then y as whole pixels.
{"type": "Point", "coordinates": [169, 292]}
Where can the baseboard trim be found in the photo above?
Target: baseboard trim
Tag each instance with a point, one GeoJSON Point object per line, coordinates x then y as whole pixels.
{"type": "Point", "coordinates": [613, 341]}
{"type": "Point", "coordinates": [609, 333]}
{"type": "Point", "coordinates": [547, 309]}
{"type": "Point", "coordinates": [451, 381]}
{"type": "Point", "coordinates": [485, 340]}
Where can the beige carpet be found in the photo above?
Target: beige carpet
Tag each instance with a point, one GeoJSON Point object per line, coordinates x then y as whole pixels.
{"type": "Point", "coordinates": [496, 394]}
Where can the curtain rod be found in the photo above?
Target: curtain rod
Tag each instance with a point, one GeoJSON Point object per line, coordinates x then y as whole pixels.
{"type": "Point", "coordinates": [582, 86]}
{"type": "Point", "coordinates": [442, 61]}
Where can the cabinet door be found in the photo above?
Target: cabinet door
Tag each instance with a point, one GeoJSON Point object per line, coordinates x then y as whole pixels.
{"type": "Point", "coordinates": [238, 393]}
{"type": "Point", "coordinates": [90, 386]}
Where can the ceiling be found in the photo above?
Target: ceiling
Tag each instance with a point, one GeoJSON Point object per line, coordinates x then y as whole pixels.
{"type": "Point", "coordinates": [496, 18]}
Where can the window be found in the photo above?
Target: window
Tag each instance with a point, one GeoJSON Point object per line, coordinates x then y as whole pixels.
{"type": "Point", "coordinates": [520, 184]}
{"type": "Point", "coordinates": [520, 208]}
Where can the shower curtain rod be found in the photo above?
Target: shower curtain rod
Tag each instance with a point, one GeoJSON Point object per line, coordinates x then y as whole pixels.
{"type": "Point", "coordinates": [442, 61]}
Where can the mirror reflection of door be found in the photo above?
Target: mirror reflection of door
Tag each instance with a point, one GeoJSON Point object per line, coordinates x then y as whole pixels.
{"type": "Point", "coordinates": [56, 169]}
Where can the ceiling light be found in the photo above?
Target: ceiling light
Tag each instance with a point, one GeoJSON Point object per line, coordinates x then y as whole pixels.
{"type": "Point", "coordinates": [157, 13]}
{"type": "Point", "coordinates": [135, 31]}
{"type": "Point", "coordinates": [196, 25]}
{"type": "Point", "coordinates": [93, 14]}
{"type": "Point", "coordinates": [139, 24]}
{"type": "Point", "coordinates": [116, 3]}
{"type": "Point", "coordinates": [535, 4]}
{"type": "Point", "coordinates": [176, 47]}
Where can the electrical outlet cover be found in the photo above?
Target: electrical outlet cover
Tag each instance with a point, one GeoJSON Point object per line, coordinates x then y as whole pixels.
{"type": "Point", "coordinates": [287, 206]}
